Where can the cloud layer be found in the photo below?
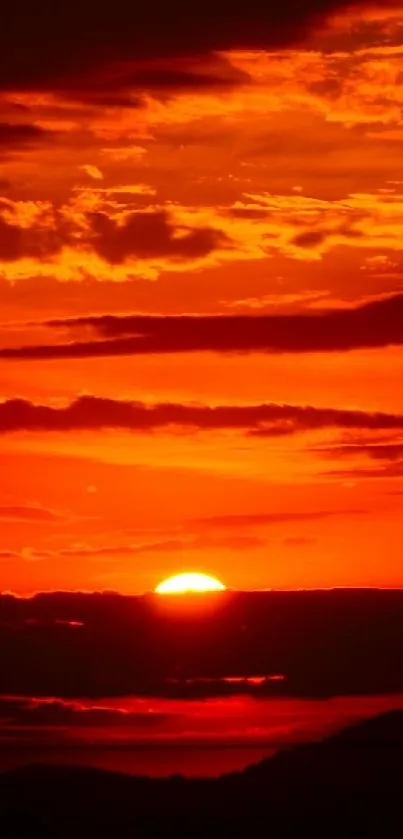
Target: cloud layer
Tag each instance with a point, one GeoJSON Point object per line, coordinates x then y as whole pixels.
{"type": "Point", "coordinates": [52, 637]}
{"type": "Point", "coordinates": [374, 324]}
{"type": "Point", "coordinates": [41, 40]}
{"type": "Point", "coordinates": [92, 413]}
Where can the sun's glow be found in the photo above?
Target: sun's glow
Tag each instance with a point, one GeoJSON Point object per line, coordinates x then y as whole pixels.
{"type": "Point", "coordinates": [183, 583]}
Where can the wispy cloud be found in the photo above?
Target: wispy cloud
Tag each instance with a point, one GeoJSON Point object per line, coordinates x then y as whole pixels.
{"type": "Point", "coordinates": [262, 520]}
{"type": "Point", "coordinates": [29, 512]}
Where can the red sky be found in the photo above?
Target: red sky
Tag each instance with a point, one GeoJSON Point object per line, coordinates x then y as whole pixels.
{"type": "Point", "coordinates": [256, 730]}
{"type": "Point", "coordinates": [245, 174]}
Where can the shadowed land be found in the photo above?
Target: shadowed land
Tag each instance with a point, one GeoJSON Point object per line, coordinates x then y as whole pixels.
{"type": "Point", "coordinates": [348, 785]}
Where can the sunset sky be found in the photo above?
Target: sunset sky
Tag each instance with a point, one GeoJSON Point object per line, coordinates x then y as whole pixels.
{"type": "Point", "coordinates": [201, 295]}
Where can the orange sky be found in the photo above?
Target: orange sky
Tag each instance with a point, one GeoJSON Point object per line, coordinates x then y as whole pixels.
{"type": "Point", "coordinates": [265, 183]}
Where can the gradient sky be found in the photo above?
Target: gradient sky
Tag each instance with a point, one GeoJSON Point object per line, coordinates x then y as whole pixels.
{"type": "Point", "coordinates": [201, 295]}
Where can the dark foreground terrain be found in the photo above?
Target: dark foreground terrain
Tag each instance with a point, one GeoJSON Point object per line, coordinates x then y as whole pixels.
{"type": "Point", "coordinates": [350, 785]}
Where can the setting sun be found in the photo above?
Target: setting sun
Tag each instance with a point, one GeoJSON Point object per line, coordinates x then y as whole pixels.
{"type": "Point", "coordinates": [183, 583]}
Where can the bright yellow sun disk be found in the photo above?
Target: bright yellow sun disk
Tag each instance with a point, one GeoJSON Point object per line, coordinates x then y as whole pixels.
{"type": "Point", "coordinates": [183, 583]}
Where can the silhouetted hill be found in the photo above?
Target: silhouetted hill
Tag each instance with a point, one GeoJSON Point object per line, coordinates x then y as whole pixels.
{"type": "Point", "coordinates": [348, 786]}
{"type": "Point", "coordinates": [323, 642]}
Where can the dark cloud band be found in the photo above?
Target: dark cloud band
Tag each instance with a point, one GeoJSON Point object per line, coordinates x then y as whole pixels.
{"type": "Point", "coordinates": [43, 39]}
{"type": "Point", "coordinates": [375, 324]}
{"type": "Point", "coordinates": [267, 419]}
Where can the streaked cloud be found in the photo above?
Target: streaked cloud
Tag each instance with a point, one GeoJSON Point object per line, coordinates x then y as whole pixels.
{"type": "Point", "coordinates": [375, 324]}
{"type": "Point", "coordinates": [91, 412]}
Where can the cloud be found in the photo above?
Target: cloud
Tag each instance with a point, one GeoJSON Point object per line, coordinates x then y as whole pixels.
{"type": "Point", "coordinates": [388, 457]}
{"type": "Point", "coordinates": [92, 171]}
{"type": "Point", "coordinates": [119, 189]}
{"type": "Point", "coordinates": [275, 632]}
{"type": "Point", "coordinates": [390, 470]}
{"type": "Point", "coordinates": [377, 451]}
{"type": "Point", "coordinates": [198, 542]}
{"type": "Point", "coordinates": [16, 711]}
{"type": "Point", "coordinates": [28, 512]}
{"type": "Point", "coordinates": [18, 242]}
{"type": "Point", "coordinates": [267, 519]}
{"type": "Point", "coordinates": [374, 324]}
{"type": "Point", "coordinates": [266, 419]}
{"type": "Point", "coordinates": [151, 236]}
{"type": "Point", "coordinates": [309, 239]}
{"type": "Point", "coordinates": [124, 84]}
{"type": "Point", "coordinates": [5, 555]}
{"type": "Point", "coordinates": [41, 39]}
{"type": "Point", "coordinates": [147, 235]}
{"type": "Point", "coordinates": [163, 77]}
{"type": "Point", "coordinates": [21, 134]}
{"type": "Point", "coordinates": [113, 233]}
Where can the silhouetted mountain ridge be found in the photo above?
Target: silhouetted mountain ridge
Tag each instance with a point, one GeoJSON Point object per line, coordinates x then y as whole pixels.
{"type": "Point", "coordinates": [348, 785]}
